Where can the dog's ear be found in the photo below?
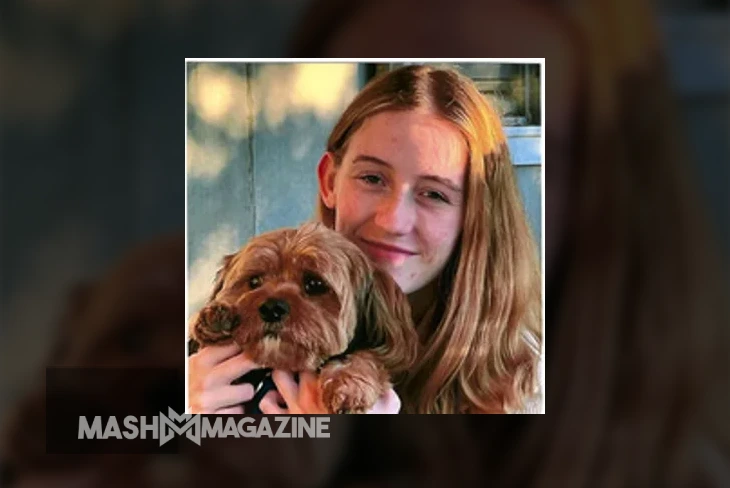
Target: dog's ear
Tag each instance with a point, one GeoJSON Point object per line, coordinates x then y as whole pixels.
{"type": "Point", "coordinates": [388, 323]}
{"type": "Point", "coordinates": [220, 276]}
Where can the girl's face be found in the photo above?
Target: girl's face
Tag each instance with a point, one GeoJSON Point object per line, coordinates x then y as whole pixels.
{"type": "Point", "coordinates": [399, 193]}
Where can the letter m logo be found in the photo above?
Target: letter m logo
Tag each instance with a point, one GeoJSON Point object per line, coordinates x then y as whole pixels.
{"type": "Point", "coordinates": [169, 426]}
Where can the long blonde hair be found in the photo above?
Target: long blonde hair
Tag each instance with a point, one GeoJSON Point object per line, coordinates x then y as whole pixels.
{"type": "Point", "coordinates": [484, 340]}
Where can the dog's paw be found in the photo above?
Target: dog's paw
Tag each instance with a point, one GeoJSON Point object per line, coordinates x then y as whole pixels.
{"type": "Point", "coordinates": [346, 390]}
{"type": "Point", "coordinates": [215, 324]}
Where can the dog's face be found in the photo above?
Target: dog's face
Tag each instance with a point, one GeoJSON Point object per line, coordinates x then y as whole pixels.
{"type": "Point", "coordinates": [299, 295]}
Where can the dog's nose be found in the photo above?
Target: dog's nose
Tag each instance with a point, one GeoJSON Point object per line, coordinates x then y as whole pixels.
{"type": "Point", "coordinates": [273, 310]}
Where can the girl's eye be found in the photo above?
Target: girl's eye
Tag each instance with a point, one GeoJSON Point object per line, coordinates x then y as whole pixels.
{"type": "Point", "coordinates": [437, 196]}
{"type": "Point", "coordinates": [255, 282]}
{"type": "Point", "coordinates": [372, 179]}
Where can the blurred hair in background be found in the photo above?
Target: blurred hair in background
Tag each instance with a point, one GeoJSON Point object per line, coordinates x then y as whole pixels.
{"type": "Point", "coordinates": [92, 151]}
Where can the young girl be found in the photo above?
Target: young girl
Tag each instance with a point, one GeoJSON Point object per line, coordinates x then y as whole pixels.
{"type": "Point", "coordinates": [417, 174]}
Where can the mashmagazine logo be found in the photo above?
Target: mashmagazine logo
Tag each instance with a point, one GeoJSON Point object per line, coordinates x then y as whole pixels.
{"type": "Point", "coordinates": [196, 427]}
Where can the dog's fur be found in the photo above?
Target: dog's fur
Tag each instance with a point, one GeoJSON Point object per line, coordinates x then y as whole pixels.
{"type": "Point", "coordinates": [308, 299]}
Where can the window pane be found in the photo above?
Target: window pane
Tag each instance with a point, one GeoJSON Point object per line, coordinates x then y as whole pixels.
{"type": "Point", "coordinates": [513, 89]}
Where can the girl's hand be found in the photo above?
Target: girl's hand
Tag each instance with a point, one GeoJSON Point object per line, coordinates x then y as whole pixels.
{"type": "Point", "coordinates": [210, 373]}
{"type": "Point", "coordinates": [306, 398]}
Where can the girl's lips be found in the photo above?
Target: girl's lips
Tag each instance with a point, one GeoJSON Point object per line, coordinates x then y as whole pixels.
{"type": "Point", "coordinates": [384, 252]}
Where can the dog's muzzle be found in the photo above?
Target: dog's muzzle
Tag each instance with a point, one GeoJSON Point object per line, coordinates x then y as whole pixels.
{"type": "Point", "coordinates": [273, 310]}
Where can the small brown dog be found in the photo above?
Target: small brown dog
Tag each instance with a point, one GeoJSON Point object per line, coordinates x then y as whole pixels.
{"type": "Point", "coordinates": [308, 299]}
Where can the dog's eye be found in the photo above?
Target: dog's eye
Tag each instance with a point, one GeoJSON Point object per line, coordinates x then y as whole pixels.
{"type": "Point", "coordinates": [255, 282]}
{"type": "Point", "coordinates": [314, 285]}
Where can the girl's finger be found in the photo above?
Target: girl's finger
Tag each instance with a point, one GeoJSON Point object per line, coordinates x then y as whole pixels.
{"type": "Point", "coordinates": [230, 411]}
{"type": "Point", "coordinates": [227, 396]}
{"type": "Point", "coordinates": [269, 404]}
{"type": "Point", "coordinates": [286, 386]}
{"type": "Point", "coordinates": [212, 355]}
{"type": "Point", "coordinates": [232, 369]}
{"type": "Point", "coordinates": [310, 393]}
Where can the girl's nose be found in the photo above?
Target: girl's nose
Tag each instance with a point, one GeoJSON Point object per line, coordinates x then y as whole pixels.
{"type": "Point", "coordinates": [396, 214]}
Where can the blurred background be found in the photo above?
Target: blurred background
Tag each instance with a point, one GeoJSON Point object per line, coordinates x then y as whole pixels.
{"type": "Point", "coordinates": [257, 131]}
{"type": "Point", "coordinates": [92, 175]}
